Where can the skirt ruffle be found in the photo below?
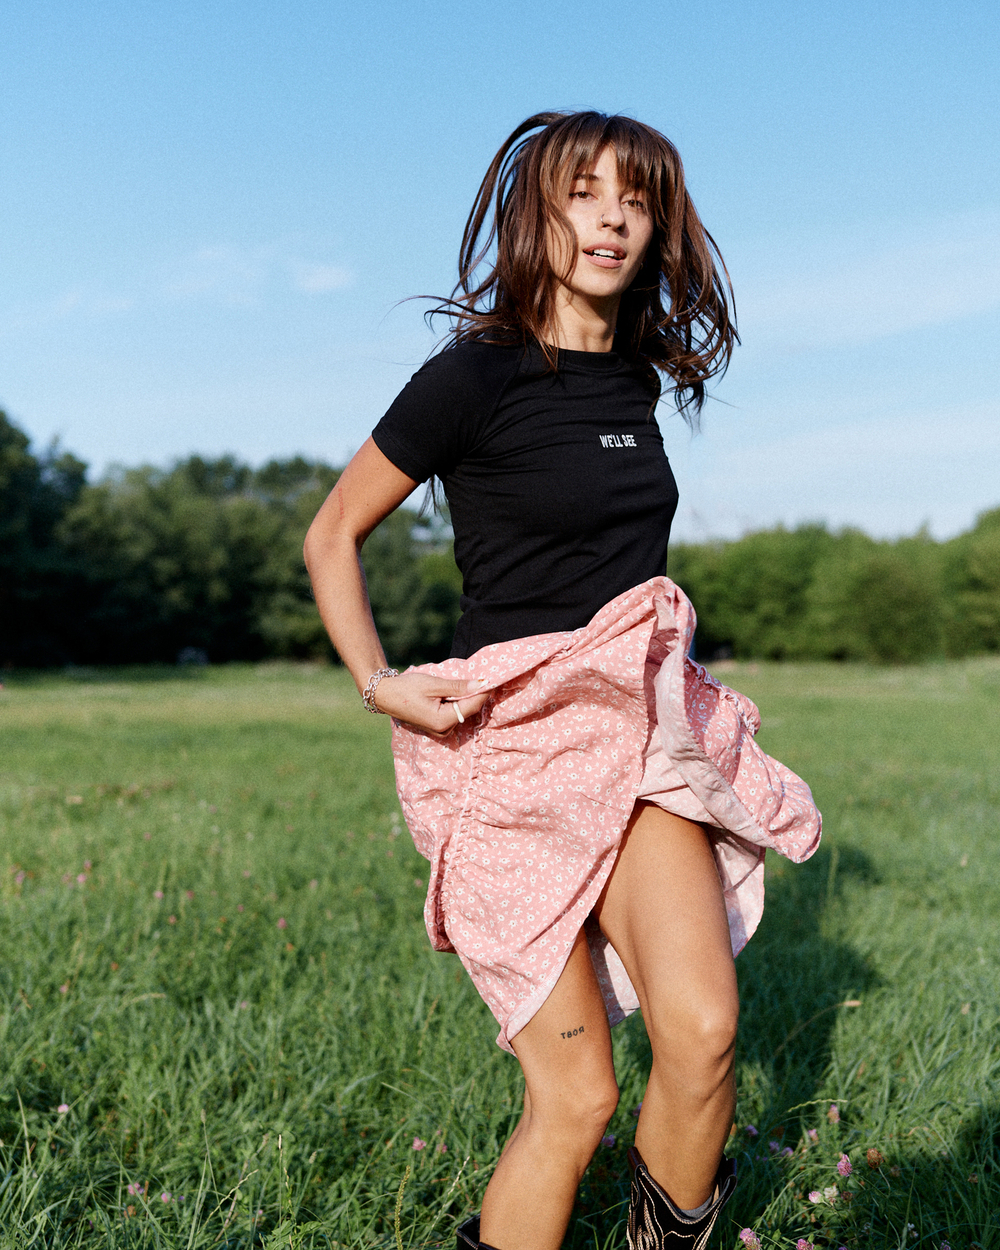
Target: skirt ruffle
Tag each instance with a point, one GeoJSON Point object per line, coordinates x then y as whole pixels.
{"type": "Point", "coordinates": [521, 811]}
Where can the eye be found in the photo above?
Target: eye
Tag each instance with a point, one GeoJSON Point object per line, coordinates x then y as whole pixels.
{"type": "Point", "coordinates": [579, 195]}
{"type": "Point", "coordinates": [636, 203]}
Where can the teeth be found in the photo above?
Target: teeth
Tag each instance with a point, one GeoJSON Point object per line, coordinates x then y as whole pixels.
{"type": "Point", "coordinates": [601, 251]}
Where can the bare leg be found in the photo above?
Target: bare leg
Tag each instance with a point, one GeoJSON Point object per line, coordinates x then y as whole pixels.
{"type": "Point", "coordinates": [570, 1094]}
{"type": "Point", "coordinates": [663, 912]}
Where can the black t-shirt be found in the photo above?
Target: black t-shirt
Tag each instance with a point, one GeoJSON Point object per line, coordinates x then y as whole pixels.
{"type": "Point", "coordinates": [560, 492]}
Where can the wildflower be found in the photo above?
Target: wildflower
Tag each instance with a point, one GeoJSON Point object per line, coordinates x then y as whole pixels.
{"type": "Point", "coordinates": [749, 1239]}
{"type": "Point", "coordinates": [87, 865]}
{"type": "Point", "coordinates": [418, 1143]}
{"type": "Point", "coordinates": [81, 878]}
{"type": "Point", "coordinates": [63, 1108]}
{"type": "Point", "coordinates": [246, 872]}
{"type": "Point", "coordinates": [844, 1166]}
{"type": "Point", "coordinates": [418, 882]}
{"type": "Point", "coordinates": [239, 906]}
{"type": "Point", "coordinates": [815, 1195]}
{"type": "Point", "coordinates": [441, 1148]}
{"type": "Point", "coordinates": [157, 894]}
{"type": "Point", "coordinates": [64, 989]}
{"type": "Point", "coordinates": [189, 894]}
{"type": "Point", "coordinates": [164, 1197]}
{"type": "Point", "coordinates": [636, 1110]}
{"type": "Point", "coordinates": [945, 1245]}
{"type": "Point", "coordinates": [787, 1152]}
{"type": "Point", "coordinates": [171, 920]}
{"type": "Point", "coordinates": [802, 1244]}
{"type": "Point", "coordinates": [813, 1134]}
{"type": "Point", "coordinates": [833, 1115]}
{"type": "Point", "coordinates": [19, 879]}
{"type": "Point", "coordinates": [282, 922]}
{"type": "Point", "coordinates": [874, 1158]}
{"type": "Point", "coordinates": [894, 1170]}
{"type": "Point", "coordinates": [751, 1131]}
{"type": "Point", "coordinates": [830, 1194]}
{"type": "Point", "coordinates": [774, 1147]}
{"type": "Point", "coordinates": [134, 1188]}
{"type": "Point", "coordinates": [244, 1005]}
{"type": "Point", "coordinates": [608, 1140]}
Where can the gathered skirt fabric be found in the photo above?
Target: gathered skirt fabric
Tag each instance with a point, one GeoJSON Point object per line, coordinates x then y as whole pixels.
{"type": "Point", "coordinates": [521, 810]}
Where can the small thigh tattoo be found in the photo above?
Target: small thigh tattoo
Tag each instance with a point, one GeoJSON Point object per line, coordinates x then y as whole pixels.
{"type": "Point", "coordinates": [572, 1032]}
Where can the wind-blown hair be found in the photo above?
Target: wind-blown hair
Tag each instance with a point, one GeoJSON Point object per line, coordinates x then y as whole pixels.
{"type": "Point", "coordinates": [677, 317]}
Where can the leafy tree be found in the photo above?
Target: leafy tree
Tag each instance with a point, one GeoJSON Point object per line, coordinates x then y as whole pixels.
{"type": "Point", "coordinates": [972, 583]}
{"type": "Point", "coordinates": [205, 555]}
{"type": "Point", "coordinates": [36, 577]}
{"type": "Point", "coordinates": [869, 601]}
{"type": "Point", "coordinates": [751, 595]}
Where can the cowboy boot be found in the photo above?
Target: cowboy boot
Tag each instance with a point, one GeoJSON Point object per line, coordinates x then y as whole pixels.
{"type": "Point", "coordinates": [468, 1235]}
{"type": "Point", "coordinates": [655, 1223]}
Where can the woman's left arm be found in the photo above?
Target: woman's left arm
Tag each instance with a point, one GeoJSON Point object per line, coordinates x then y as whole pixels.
{"type": "Point", "coordinates": [367, 491]}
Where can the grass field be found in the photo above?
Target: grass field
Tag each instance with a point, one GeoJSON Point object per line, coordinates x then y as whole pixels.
{"type": "Point", "coordinates": [222, 1025]}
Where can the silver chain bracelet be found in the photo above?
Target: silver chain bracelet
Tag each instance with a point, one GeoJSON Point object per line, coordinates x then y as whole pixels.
{"type": "Point", "coordinates": [368, 697]}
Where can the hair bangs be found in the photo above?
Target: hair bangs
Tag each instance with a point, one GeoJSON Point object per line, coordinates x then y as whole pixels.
{"type": "Point", "coordinates": [641, 155]}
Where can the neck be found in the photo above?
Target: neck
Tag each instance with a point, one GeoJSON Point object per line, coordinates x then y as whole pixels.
{"type": "Point", "coordinates": [581, 326]}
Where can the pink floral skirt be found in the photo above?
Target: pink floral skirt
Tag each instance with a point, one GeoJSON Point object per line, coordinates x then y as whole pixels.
{"type": "Point", "coordinates": [521, 810]}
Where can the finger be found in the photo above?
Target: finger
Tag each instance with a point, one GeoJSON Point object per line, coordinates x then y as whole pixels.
{"type": "Point", "coordinates": [470, 705]}
{"type": "Point", "coordinates": [450, 691]}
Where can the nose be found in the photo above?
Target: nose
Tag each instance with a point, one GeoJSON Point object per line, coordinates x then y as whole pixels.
{"type": "Point", "coordinates": [612, 215]}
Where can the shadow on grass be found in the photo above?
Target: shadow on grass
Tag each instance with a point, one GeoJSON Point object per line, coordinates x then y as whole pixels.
{"type": "Point", "coordinates": [793, 980]}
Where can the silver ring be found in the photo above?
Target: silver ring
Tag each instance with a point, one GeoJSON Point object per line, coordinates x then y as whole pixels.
{"type": "Point", "coordinates": [458, 713]}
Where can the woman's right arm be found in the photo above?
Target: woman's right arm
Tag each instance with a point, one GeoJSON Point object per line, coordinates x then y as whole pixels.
{"type": "Point", "coordinates": [367, 491]}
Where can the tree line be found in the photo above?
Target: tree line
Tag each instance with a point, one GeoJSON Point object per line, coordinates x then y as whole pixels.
{"type": "Point", "coordinates": [203, 560]}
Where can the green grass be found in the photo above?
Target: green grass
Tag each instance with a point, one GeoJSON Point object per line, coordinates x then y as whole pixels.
{"type": "Point", "coordinates": [269, 1037]}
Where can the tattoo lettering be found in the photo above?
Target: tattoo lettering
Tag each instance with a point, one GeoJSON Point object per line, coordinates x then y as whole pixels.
{"type": "Point", "coordinates": [572, 1032]}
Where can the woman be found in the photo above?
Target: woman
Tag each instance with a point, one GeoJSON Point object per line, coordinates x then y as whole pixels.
{"type": "Point", "coordinates": [592, 803]}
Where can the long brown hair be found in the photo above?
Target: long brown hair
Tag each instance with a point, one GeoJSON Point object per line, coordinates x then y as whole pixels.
{"type": "Point", "coordinates": [676, 317]}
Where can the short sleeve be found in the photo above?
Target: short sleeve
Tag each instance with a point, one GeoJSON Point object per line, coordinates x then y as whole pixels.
{"type": "Point", "coordinates": [437, 417]}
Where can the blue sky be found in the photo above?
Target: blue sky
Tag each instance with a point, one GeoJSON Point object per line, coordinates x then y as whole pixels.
{"type": "Point", "coordinates": [210, 213]}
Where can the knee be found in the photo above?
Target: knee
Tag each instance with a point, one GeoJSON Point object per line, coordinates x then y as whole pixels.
{"type": "Point", "coordinates": [599, 1103]}
{"type": "Point", "coordinates": [580, 1109]}
{"type": "Point", "coordinates": [704, 1037]}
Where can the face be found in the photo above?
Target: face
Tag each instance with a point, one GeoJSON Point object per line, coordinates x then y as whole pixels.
{"type": "Point", "coordinates": [613, 229]}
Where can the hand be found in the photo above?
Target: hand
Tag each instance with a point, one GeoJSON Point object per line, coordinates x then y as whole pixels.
{"type": "Point", "coordinates": [429, 703]}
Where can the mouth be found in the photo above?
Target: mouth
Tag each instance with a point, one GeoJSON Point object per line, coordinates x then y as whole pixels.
{"type": "Point", "coordinates": [606, 257]}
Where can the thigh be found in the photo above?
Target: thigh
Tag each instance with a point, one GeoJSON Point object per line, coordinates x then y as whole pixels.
{"type": "Point", "coordinates": [663, 912]}
{"type": "Point", "coordinates": [565, 1048]}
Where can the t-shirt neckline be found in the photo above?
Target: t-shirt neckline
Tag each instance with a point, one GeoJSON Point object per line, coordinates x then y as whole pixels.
{"type": "Point", "coordinates": [598, 362]}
